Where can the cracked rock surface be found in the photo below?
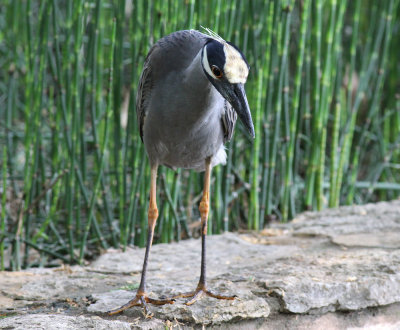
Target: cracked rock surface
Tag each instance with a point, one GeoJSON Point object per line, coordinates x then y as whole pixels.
{"type": "Point", "coordinates": [337, 268]}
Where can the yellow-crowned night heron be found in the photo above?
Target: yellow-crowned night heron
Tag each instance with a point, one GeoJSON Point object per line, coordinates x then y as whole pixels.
{"type": "Point", "coordinates": [190, 90]}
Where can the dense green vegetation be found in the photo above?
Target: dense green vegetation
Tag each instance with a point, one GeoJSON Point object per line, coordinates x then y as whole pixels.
{"type": "Point", "coordinates": [323, 89]}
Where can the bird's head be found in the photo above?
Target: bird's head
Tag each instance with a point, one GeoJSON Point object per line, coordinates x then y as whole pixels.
{"type": "Point", "coordinates": [227, 69]}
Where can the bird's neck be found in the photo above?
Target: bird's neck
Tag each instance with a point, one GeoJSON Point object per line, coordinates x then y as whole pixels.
{"type": "Point", "coordinates": [198, 85]}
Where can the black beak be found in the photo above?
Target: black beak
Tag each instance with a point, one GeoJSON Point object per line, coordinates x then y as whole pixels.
{"type": "Point", "coordinates": [236, 96]}
{"type": "Point", "coordinates": [238, 100]}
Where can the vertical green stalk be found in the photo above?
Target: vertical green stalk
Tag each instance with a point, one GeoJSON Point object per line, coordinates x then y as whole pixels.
{"type": "Point", "coordinates": [376, 62]}
{"type": "Point", "coordinates": [283, 46]}
{"type": "Point", "coordinates": [254, 220]}
{"type": "Point", "coordinates": [34, 95]}
{"type": "Point", "coordinates": [266, 202]}
{"type": "Point", "coordinates": [288, 181]}
{"type": "Point", "coordinates": [321, 168]}
{"type": "Point", "coordinates": [142, 230]}
{"type": "Point", "coordinates": [227, 187]}
{"type": "Point", "coordinates": [313, 156]}
{"type": "Point", "coordinates": [120, 183]}
{"type": "Point", "coordinates": [345, 148]}
{"type": "Point", "coordinates": [104, 146]}
{"type": "Point", "coordinates": [217, 198]}
{"type": "Point", "coordinates": [3, 210]}
{"type": "Point", "coordinates": [333, 192]}
{"type": "Point", "coordinates": [134, 204]}
{"type": "Point", "coordinates": [322, 117]}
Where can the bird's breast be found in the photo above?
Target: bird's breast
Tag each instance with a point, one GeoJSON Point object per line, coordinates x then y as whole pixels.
{"type": "Point", "coordinates": [181, 130]}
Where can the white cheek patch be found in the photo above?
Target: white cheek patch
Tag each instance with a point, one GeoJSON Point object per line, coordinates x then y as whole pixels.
{"type": "Point", "coordinates": [206, 65]}
{"type": "Point", "coordinates": [235, 69]}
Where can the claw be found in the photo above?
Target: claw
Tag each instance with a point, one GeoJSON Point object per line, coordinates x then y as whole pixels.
{"type": "Point", "coordinates": [141, 300]}
{"type": "Point", "coordinates": [196, 295]}
{"type": "Point", "coordinates": [199, 293]}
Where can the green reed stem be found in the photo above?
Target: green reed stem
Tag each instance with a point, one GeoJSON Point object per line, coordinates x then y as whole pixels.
{"type": "Point", "coordinates": [108, 115]}
{"type": "Point", "coordinates": [288, 193]}
{"type": "Point", "coordinates": [3, 219]}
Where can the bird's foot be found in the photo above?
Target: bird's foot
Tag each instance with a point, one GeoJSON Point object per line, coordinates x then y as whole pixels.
{"type": "Point", "coordinates": [141, 299]}
{"type": "Point", "coordinates": [200, 291]}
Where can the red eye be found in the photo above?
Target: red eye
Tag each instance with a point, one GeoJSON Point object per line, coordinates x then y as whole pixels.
{"type": "Point", "coordinates": [216, 71]}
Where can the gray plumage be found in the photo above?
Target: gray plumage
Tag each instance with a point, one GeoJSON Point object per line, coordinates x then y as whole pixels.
{"type": "Point", "coordinates": [182, 117]}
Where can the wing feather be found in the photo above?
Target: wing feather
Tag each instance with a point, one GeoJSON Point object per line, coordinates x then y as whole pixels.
{"type": "Point", "coordinates": [183, 45]}
{"type": "Point", "coordinates": [228, 121]}
{"type": "Point", "coordinates": [143, 93]}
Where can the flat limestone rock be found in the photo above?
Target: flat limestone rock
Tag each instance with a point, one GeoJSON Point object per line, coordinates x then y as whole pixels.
{"type": "Point", "coordinates": [118, 262]}
{"type": "Point", "coordinates": [45, 321]}
{"type": "Point", "coordinates": [337, 267]}
{"type": "Point", "coordinates": [386, 240]}
{"type": "Point", "coordinates": [336, 281]}
{"type": "Point", "coordinates": [357, 219]}
{"type": "Point", "coordinates": [205, 311]}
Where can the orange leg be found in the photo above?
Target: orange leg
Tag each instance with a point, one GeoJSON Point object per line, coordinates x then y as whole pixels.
{"type": "Point", "coordinates": [204, 209]}
{"type": "Point", "coordinates": [141, 297]}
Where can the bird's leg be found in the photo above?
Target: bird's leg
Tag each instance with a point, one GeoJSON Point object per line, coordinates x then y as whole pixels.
{"type": "Point", "coordinates": [141, 298]}
{"type": "Point", "coordinates": [204, 209]}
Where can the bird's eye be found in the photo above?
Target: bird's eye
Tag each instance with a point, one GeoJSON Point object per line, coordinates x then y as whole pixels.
{"type": "Point", "coordinates": [216, 71]}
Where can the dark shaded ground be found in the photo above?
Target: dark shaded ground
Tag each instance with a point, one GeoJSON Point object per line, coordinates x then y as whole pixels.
{"type": "Point", "coordinates": [334, 269]}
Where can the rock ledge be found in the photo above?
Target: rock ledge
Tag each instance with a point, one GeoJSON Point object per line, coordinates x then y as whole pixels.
{"type": "Point", "coordinates": [338, 268]}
